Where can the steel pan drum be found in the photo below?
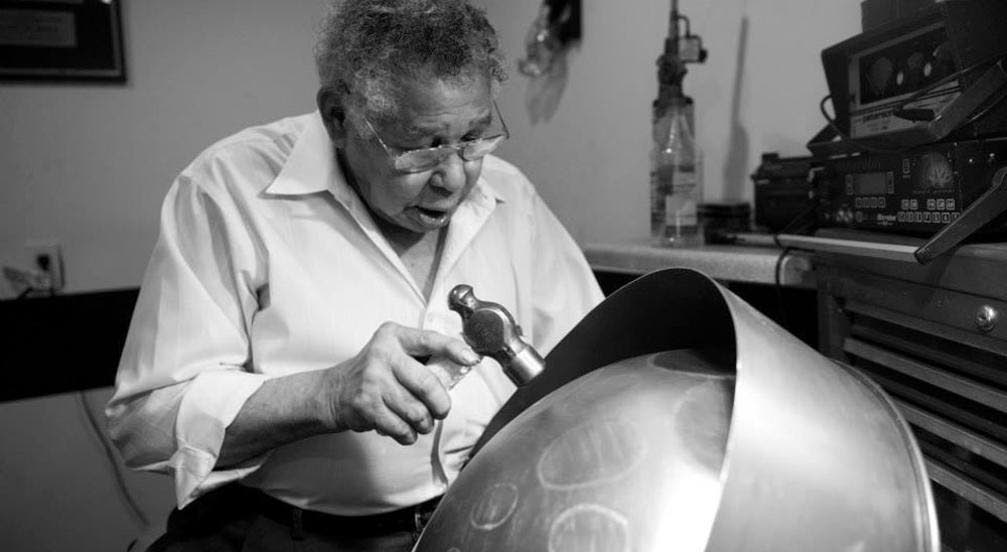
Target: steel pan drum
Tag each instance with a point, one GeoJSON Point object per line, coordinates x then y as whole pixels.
{"type": "Point", "coordinates": [677, 417]}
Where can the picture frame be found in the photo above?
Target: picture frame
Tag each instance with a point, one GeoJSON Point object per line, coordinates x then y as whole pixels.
{"type": "Point", "coordinates": [61, 40]}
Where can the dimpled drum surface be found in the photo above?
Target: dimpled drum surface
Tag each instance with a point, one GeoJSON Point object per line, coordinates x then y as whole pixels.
{"type": "Point", "coordinates": [627, 457]}
{"type": "Point", "coordinates": [675, 416]}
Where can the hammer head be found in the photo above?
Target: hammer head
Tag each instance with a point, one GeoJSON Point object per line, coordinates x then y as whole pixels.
{"type": "Point", "coordinates": [487, 327]}
{"type": "Point", "coordinates": [491, 331]}
{"type": "Point", "coordinates": [462, 300]}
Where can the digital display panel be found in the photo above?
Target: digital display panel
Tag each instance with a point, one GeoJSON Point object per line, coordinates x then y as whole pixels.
{"type": "Point", "coordinates": [869, 183]}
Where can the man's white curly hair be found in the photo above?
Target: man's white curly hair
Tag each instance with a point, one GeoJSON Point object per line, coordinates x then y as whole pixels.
{"type": "Point", "coordinates": [365, 46]}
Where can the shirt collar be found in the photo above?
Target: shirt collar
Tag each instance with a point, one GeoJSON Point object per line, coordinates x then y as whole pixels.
{"type": "Point", "coordinates": [312, 166]}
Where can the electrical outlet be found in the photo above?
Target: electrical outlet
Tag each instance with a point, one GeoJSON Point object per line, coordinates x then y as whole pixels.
{"type": "Point", "coordinates": [46, 256]}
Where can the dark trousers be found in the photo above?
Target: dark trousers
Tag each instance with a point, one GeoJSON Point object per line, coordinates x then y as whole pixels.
{"type": "Point", "coordinates": [238, 518]}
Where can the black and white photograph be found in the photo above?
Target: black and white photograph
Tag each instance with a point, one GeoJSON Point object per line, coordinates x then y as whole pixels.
{"type": "Point", "coordinates": [503, 275]}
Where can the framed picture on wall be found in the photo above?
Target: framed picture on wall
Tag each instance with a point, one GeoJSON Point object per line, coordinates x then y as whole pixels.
{"type": "Point", "coordinates": [61, 40]}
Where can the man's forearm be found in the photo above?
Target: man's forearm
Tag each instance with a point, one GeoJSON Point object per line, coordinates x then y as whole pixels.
{"type": "Point", "coordinates": [383, 388]}
{"type": "Point", "coordinates": [281, 411]}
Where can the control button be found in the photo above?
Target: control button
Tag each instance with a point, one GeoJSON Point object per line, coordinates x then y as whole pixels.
{"type": "Point", "coordinates": [926, 216]}
{"type": "Point", "coordinates": [940, 204]}
{"type": "Point", "coordinates": [858, 202]}
{"type": "Point", "coordinates": [905, 166]}
{"type": "Point", "coordinates": [849, 188]}
{"type": "Point", "coordinates": [872, 202]}
{"type": "Point", "coordinates": [904, 204]}
{"type": "Point", "coordinates": [914, 204]}
{"type": "Point", "coordinates": [931, 204]}
{"type": "Point", "coordinates": [950, 204]}
{"type": "Point", "coordinates": [889, 182]}
{"type": "Point", "coordinates": [901, 216]}
{"type": "Point", "coordinates": [919, 216]}
{"type": "Point", "coordinates": [881, 202]}
{"type": "Point", "coordinates": [986, 318]}
{"type": "Point", "coordinates": [954, 216]}
{"type": "Point", "coordinates": [945, 217]}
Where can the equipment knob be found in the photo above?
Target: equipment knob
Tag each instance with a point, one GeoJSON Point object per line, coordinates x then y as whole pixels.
{"type": "Point", "coordinates": [986, 318]}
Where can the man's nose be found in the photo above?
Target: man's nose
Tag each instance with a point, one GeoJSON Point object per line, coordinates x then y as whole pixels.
{"type": "Point", "coordinates": [450, 174]}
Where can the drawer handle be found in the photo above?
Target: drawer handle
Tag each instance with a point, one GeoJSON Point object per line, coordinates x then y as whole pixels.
{"type": "Point", "coordinates": [986, 318]}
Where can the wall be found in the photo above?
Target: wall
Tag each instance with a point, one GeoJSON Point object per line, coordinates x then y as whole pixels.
{"type": "Point", "coordinates": [591, 160]}
{"type": "Point", "coordinates": [88, 166]}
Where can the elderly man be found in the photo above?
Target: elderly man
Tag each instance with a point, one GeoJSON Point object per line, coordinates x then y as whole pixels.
{"type": "Point", "coordinates": [276, 360]}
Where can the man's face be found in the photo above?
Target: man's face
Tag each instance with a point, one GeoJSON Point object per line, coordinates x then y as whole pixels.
{"type": "Point", "coordinates": [431, 113]}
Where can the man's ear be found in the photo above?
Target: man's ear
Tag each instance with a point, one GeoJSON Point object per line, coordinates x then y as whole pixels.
{"type": "Point", "coordinates": [330, 105]}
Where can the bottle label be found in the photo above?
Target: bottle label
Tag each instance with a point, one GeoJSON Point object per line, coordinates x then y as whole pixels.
{"type": "Point", "coordinates": [660, 189]}
{"type": "Point", "coordinates": [680, 202]}
{"type": "Point", "coordinates": [683, 179]}
{"type": "Point", "coordinates": [679, 211]}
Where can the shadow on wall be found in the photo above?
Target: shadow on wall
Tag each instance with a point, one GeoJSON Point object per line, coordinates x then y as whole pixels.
{"type": "Point", "coordinates": [544, 92]}
{"type": "Point", "coordinates": [736, 164]}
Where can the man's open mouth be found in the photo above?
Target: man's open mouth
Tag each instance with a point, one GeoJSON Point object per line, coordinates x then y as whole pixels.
{"type": "Point", "coordinates": [433, 218]}
{"type": "Point", "coordinates": [432, 213]}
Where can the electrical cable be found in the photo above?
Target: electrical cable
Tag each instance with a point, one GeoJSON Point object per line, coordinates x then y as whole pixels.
{"type": "Point", "coordinates": [777, 279]}
{"type": "Point", "coordinates": [992, 60]}
{"type": "Point", "coordinates": [117, 475]}
{"type": "Point", "coordinates": [802, 222]}
{"type": "Point", "coordinates": [987, 109]}
{"type": "Point", "coordinates": [995, 102]}
{"type": "Point", "coordinates": [846, 138]}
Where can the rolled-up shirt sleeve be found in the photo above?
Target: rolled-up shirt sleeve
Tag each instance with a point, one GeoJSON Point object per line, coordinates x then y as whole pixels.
{"type": "Point", "coordinates": [186, 368]}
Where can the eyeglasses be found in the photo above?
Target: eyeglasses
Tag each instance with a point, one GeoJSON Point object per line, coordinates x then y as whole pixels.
{"type": "Point", "coordinates": [424, 159]}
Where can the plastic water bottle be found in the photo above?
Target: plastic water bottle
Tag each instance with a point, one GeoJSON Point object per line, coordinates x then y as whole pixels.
{"type": "Point", "coordinates": [676, 185]}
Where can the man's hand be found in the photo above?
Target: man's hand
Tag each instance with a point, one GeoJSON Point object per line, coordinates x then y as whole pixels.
{"type": "Point", "coordinates": [385, 387]}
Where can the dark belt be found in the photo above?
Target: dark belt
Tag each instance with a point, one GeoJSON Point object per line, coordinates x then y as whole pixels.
{"type": "Point", "coordinates": [410, 519]}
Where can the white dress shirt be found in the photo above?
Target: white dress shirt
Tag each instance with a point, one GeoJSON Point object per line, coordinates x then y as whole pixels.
{"type": "Point", "coordinates": [268, 264]}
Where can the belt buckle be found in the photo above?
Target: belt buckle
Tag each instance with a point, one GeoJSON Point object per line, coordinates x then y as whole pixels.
{"type": "Point", "coordinates": [421, 515]}
{"type": "Point", "coordinates": [297, 524]}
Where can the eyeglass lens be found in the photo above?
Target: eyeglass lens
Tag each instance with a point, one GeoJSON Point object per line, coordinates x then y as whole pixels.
{"type": "Point", "coordinates": [417, 160]}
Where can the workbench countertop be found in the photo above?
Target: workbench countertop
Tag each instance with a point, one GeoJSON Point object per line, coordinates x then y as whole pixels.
{"type": "Point", "coordinates": [731, 263]}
